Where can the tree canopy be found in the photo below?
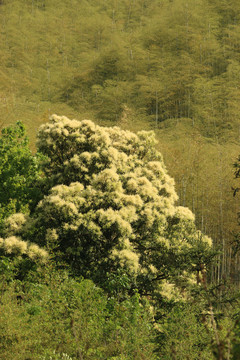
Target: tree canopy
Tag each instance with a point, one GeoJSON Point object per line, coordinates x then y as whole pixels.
{"type": "Point", "coordinates": [110, 205]}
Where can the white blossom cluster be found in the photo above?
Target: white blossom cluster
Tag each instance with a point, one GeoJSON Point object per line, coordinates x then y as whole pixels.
{"type": "Point", "coordinates": [14, 223]}
{"type": "Point", "coordinates": [79, 149]}
{"type": "Point", "coordinates": [15, 246]}
{"type": "Point", "coordinates": [56, 356]}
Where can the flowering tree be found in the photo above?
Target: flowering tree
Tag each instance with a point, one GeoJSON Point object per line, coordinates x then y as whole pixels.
{"type": "Point", "coordinates": [111, 206]}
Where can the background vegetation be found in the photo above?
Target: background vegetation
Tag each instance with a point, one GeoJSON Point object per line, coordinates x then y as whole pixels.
{"type": "Point", "coordinates": [171, 66]}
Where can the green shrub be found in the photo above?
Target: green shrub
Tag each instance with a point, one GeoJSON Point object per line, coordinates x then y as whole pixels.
{"type": "Point", "coordinates": [59, 315]}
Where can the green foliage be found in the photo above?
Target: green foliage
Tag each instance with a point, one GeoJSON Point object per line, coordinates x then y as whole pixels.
{"type": "Point", "coordinates": [61, 318]}
{"type": "Point", "coordinates": [173, 64]}
{"type": "Point", "coordinates": [237, 173]}
{"type": "Point", "coordinates": [18, 172]}
{"type": "Point", "coordinates": [184, 335]}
